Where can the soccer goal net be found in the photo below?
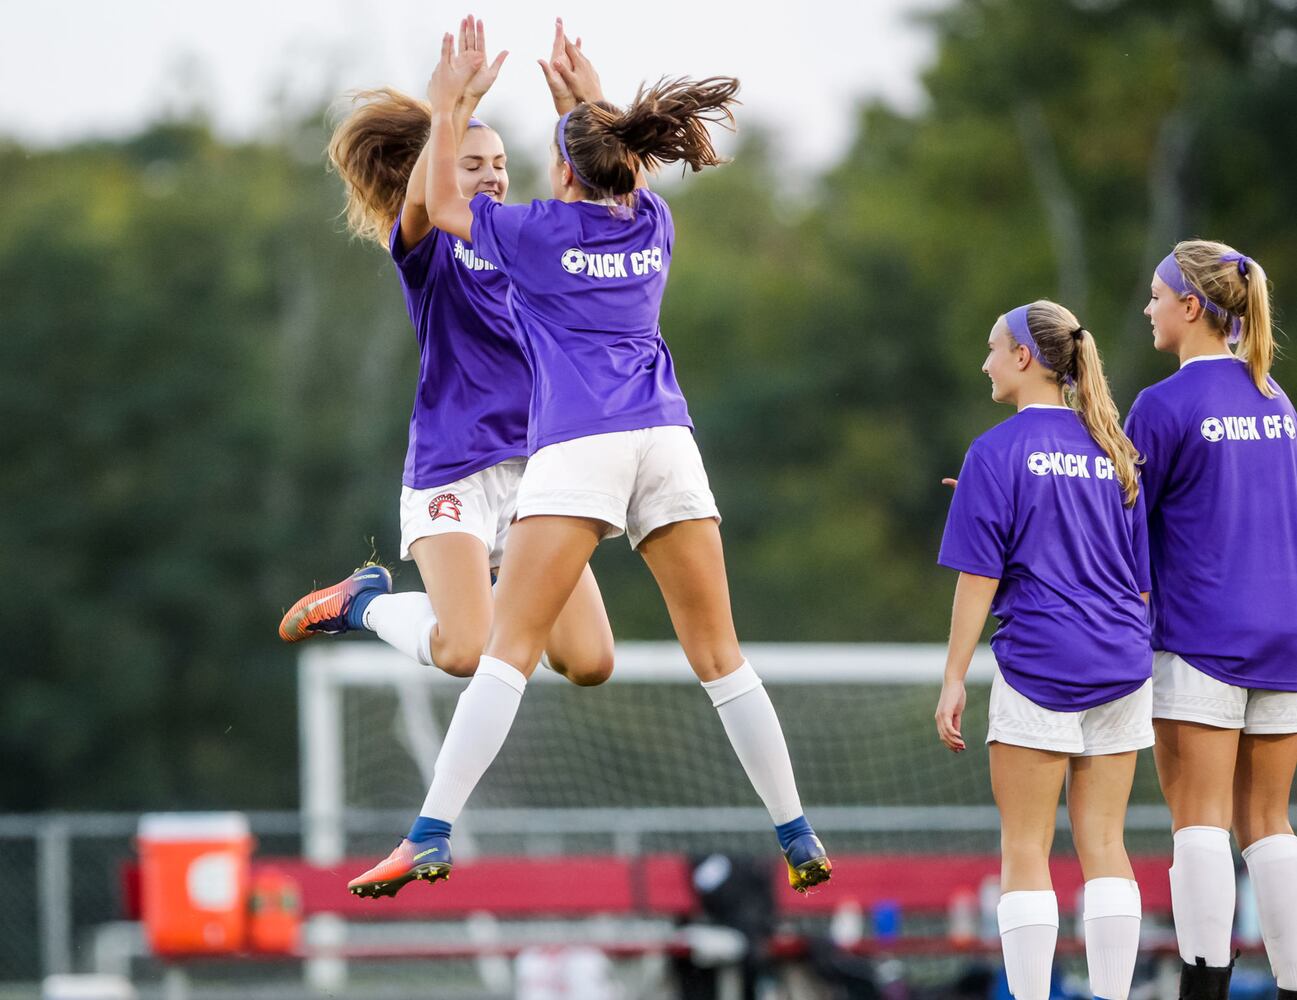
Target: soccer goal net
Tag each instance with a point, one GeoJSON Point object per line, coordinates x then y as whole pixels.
{"type": "Point", "coordinates": [641, 763]}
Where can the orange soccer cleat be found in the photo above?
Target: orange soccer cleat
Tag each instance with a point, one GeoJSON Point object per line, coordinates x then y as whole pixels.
{"type": "Point", "coordinates": [427, 859]}
{"type": "Point", "coordinates": [335, 609]}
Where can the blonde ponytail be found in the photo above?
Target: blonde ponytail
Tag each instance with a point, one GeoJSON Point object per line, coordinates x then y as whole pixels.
{"type": "Point", "coordinates": [1069, 351]}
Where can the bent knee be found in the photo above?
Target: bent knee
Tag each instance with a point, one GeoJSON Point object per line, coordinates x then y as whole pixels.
{"type": "Point", "coordinates": [584, 672]}
{"type": "Point", "coordinates": [457, 659]}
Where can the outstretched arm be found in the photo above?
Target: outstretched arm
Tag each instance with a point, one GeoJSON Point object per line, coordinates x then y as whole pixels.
{"type": "Point", "coordinates": [459, 76]}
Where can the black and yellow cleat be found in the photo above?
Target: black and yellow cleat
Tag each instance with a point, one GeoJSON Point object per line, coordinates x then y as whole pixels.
{"type": "Point", "coordinates": [808, 864]}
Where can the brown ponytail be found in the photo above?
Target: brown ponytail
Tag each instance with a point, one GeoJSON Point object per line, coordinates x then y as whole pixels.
{"type": "Point", "coordinates": [1237, 285]}
{"type": "Point", "coordinates": [1070, 351]}
{"type": "Point", "coordinates": [373, 149]}
{"type": "Point", "coordinates": [666, 123]}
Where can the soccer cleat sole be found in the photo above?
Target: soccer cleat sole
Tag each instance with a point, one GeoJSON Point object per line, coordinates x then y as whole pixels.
{"type": "Point", "coordinates": [810, 873]}
{"type": "Point", "coordinates": [390, 887]}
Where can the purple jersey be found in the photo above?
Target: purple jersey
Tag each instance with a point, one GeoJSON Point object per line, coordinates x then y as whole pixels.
{"type": "Point", "coordinates": [1220, 471]}
{"type": "Point", "coordinates": [1039, 507]}
{"type": "Point", "coordinates": [470, 407]}
{"type": "Point", "coordinates": [586, 287]}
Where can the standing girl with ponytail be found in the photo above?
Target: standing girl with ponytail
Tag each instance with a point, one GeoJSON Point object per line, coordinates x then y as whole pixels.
{"type": "Point", "coordinates": [610, 433]}
{"type": "Point", "coordinates": [1046, 531]}
{"type": "Point", "coordinates": [1219, 446]}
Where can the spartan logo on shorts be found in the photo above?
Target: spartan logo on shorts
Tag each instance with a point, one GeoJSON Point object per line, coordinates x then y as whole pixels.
{"type": "Point", "coordinates": [445, 505]}
{"type": "Point", "coordinates": [1213, 429]}
{"type": "Point", "coordinates": [573, 261]}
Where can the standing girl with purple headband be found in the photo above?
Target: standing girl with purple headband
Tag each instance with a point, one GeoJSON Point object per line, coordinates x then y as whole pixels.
{"type": "Point", "coordinates": [1219, 445]}
{"type": "Point", "coordinates": [610, 433]}
{"type": "Point", "coordinates": [468, 429]}
{"type": "Point", "coordinates": [1046, 531]}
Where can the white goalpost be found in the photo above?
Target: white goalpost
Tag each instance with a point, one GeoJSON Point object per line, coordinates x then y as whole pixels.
{"type": "Point", "coordinates": [641, 758]}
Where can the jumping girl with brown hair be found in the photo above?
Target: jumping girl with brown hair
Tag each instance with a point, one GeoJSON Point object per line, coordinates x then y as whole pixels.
{"type": "Point", "coordinates": [468, 429]}
{"type": "Point", "coordinates": [609, 431]}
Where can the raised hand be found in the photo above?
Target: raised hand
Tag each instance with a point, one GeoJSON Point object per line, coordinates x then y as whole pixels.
{"type": "Point", "coordinates": [463, 72]}
{"type": "Point", "coordinates": [570, 75]}
{"type": "Point", "coordinates": [472, 38]}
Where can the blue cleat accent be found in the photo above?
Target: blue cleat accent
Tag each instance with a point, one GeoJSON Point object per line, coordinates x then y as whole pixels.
{"type": "Point", "coordinates": [336, 609]}
{"type": "Point", "coordinates": [808, 864]}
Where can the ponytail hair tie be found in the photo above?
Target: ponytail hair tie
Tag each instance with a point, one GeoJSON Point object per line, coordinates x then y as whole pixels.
{"type": "Point", "coordinates": [1078, 333]}
{"type": "Point", "coordinates": [1242, 259]}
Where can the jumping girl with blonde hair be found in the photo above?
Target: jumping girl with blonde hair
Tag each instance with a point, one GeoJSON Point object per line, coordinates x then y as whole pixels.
{"type": "Point", "coordinates": [1219, 445]}
{"type": "Point", "coordinates": [1046, 529]}
{"type": "Point", "coordinates": [468, 429]}
{"type": "Point", "coordinates": [609, 431]}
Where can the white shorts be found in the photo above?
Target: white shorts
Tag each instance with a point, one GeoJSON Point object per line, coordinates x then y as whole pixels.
{"type": "Point", "coordinates": [1116, 727]}
{"type": "Point", "coordinates": [634, 481]}
{"type": "Point", "coordinates": [1182, 691]}
{"type": "Point", "coordinates": [482, 505]}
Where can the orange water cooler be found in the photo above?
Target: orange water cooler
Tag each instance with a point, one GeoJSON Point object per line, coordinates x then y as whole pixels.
{"type": "Point", "coordinates": [194, 879]}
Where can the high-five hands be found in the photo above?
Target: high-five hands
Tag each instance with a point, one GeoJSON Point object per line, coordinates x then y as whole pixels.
{"type": "Point", "coordinates": [463, 72]}
{"type": "Point", "coordinates": [570, 75]}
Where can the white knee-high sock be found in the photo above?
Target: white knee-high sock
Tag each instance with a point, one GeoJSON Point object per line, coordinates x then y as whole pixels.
{"type": "Point", "coordinates": [1272, 863]}
{"type": "Point", "coordinates": [483, 716]}
{"type": "Point", "coordinates": [750, 722]}
{"type": "Point", "coordinates": [404, 621]}
{"type": "Point", "coordinates": [1028, 935]}
{"type": "Point", "coordinates": [1112, 913]}
{"type": "Point", "coordinates": [1202, 894]}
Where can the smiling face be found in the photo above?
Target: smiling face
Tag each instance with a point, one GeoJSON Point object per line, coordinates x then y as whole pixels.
{"type": "Point", "coordinates": [482, 167]}
{"type": "Point", "coordinates": [1005, 363]}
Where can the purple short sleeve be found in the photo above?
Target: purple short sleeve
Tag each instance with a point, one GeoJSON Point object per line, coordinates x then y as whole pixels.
{"type": "Point", "coordinates": [1154, 434]}
{"type": "Point", "coordinates": [976, 539]}
{"type": "Point", "coordinates": [497, 230]}
{"type": "Point", "coordinates": [1139, 542]}
{"type": "Point", "coordinates": [414, 263]}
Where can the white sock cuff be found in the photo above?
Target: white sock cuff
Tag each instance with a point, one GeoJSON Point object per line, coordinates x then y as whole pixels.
{"type": "Point", "coordinates": [1112, 897]}
{"type": "Point", "coordinates": [425, 641]}
{"type": "Point", "coordinates": [489, 666]}
{"type": "Point", "coordinates": [1201, 836]}
{"type": "Point", "coordinates": [733, 685]}
{"type": "Point", "coordinates": [1276, 845]}
{"type": "Point", "coordinates": [1027, 909]}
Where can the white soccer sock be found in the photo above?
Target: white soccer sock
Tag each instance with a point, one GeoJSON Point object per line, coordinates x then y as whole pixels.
{"type": "Point", "coordinates": [1272, 863]}
{"type": "Point", "coordinates": [1112, 912]}
{"type": "Point", "coordinates": [1028, 934]}
{"type": "Point", "coordinates": [754, 731]}
{"type": "Point", "coordinates": [404, 621]}
{"type": "Point", "coordinates": [1202, 894]}
{"type": "Point", "coordinates": [477, 730]}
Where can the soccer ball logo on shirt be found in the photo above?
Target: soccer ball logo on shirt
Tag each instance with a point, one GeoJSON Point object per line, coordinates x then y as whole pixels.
{"type": "Point", "coordinates": [1038, 463]}
{"type": "Point", "coordinates": [573, 261]}
{"type": "Point", "coordinates": [445, 505]}
{"type": "Point", "coordinates": [1290, 426]}
{"type": "Point", "coordinates": [1212, 429]}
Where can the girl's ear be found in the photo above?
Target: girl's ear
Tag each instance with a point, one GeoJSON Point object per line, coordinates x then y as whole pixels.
{"type": "Point", "coordinates": [1024, 357]}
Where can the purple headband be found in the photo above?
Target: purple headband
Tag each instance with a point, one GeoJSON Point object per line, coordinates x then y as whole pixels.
{"type": "Point", "coordinates": [1174, 279]}
{"type": "Point", "coordinates": [477, 123]}
{"type": "Point", "coordinates": [1021, 330]}
{"type": "Point", "coordinates": [562, 148]}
